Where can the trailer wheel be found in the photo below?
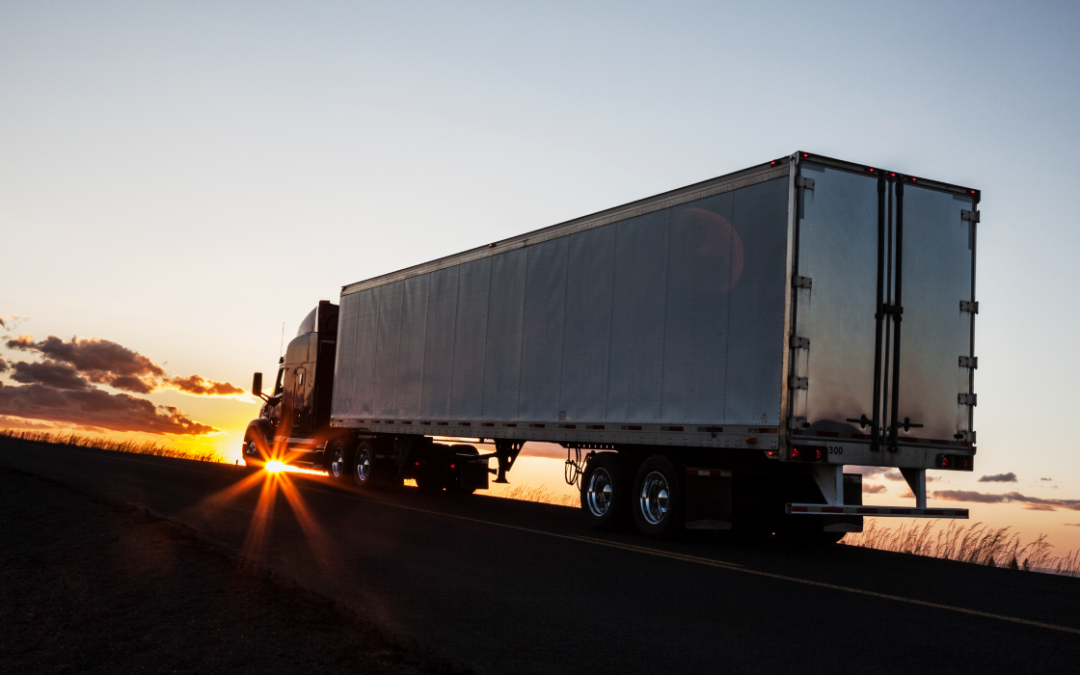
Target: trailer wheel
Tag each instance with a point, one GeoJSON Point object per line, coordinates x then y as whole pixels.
{"type": "Point", "coordinates": [657, 498]}
{"type": "Point", "coordinates": [604, 492]}
{"type": "Point", "coordinates": [339, 462]}
{"type": "Point", "coordinates": [365, 471]}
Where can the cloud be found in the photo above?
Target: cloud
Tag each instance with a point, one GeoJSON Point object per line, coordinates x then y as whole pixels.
{"type": "Point", "coordinates": [866, 471]}
{"type": "Point", "coordinates": [1030, 503]}
{"type": "Point", "coordinates": [3, 365]}
{"type": "Point", "coordinates": [1072, 524]}
{"type": "Point", "coordinates": [105, 362]}
{"type": "Point", "coordinates": [97, 408]}
{"type": "Point", "coordinates": [873, 489]}
{"type": "Point", "coordinates": [101, 361]}
{"type": "Point", "coordinates": [9, 321]}
{"type": "Point", "coordinates": [893, 474]}
{"type": "Point", "coordinates": [50, 374]}
{"type": "Point", "coordinates": [1047, 479]}
{"type": "Point", "coordinates": [19, 423]}
{"type": "Point", "coordinates": [999, 478]}
{"type": "Point", "coordinates": [197, 385]}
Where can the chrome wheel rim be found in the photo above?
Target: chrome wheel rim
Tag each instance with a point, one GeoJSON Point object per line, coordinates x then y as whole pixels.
{"type": "Point", "coordinates": [654, 498]}
{"type": "Point", "coordinates": [599, 493]}
{"type": "Point", "coordinates": [337, 467]}
{"type": "Point", "coordinates": [363, 467]}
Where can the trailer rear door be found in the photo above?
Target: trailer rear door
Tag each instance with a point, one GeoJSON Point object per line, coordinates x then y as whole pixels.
{"type": "Point", "coordinates": [937, 258]}
{"type": "Point", "coordinates": [836, 272]}
{"type": "Point", "coordinates": [883, 326]}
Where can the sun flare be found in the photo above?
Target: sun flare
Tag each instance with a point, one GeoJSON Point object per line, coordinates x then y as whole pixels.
{"type": "Point", "coordinates": [274, 466]}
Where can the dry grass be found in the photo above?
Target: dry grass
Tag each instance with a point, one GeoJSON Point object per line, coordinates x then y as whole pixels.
{"type": "Point", "coordinates": [967, 542]}
{"type": "Point", "coordinates": [144, 448]}
{"type": "Point", "coordinates": [540, 494]}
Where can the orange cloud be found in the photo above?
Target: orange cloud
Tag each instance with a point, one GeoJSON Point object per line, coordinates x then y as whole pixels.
{"type": "Point", "coordinates": [98, 409]}
{"type": "Point", "coordinates": [97, 361]}
{"type": "Point", "coordinates": [195, 384]}
{"type": "Point", "coordinates": [50, 374]}
{"type": "Point", "coordinates": [1031, 503]}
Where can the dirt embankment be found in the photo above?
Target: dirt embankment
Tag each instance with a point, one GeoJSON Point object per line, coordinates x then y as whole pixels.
{"type": "Point", "coordinates": [87, 587]}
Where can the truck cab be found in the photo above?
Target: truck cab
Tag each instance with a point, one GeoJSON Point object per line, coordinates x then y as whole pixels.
{"type": "Point", "coordinates": [293, 426]}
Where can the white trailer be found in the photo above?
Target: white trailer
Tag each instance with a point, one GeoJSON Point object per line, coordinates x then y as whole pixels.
{"type": "Point", "coordinates": [711, 357]}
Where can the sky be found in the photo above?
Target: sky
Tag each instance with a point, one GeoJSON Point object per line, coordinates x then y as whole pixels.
{"type": "Point", "coordinates": [178, 180]}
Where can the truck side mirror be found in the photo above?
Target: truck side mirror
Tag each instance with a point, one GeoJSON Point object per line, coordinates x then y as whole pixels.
{"type": "Point", "coordinates": [256, 385]}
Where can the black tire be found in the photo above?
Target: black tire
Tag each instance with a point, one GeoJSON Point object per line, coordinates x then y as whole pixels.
{"type": "Point", "coordinates": [605, 494]}
{"type": "Point", "coordinates": [657, 499]}
{"type": "Point", "coordinates": [453, 485]}
{"type": "Point", "coordinates": [339, 467]}
{"type": "Point", "coordinates": [364, 467]}
{"type": "Point", "coordinates": [254, 456]}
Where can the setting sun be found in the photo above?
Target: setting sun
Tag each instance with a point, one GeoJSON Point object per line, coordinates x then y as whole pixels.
{"type": "Point", "coordinates": [274, 466]}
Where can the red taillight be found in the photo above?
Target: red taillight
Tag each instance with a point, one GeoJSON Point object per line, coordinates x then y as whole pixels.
{"type": "Point", "coordinates": [418, 464]}
{"type": "Point", "coordinates": [453, 466]}
{"type": "Point", "coordinates": [819, 454]}
{"type": "Point", "coordinates": [795, 453]}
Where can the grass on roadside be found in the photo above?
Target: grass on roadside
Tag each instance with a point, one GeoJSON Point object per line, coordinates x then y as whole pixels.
{"type": "Point", "coordinates": [138, 448]}
{"type": "Point", "coordinates": [967, 542]}
{"type": "Point", "coordinates": [540, 494]}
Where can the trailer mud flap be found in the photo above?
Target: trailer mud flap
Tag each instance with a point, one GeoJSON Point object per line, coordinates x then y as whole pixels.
{"type": "Point", "coordinates": [474, 474]}
{"type": "Point", "coordinates": [708, 499]}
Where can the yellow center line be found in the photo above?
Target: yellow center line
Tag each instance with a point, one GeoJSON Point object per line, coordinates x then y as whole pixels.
{"type": "Point", "coordinates": [733, 567]}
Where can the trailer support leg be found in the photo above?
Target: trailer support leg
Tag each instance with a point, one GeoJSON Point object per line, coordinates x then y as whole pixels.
{"type": "Point", "coordinates": [916, 480]}
{"type": "Point", "coordinates": [506, 452]}
{"type": "Point", "coordinates": [830, 480]}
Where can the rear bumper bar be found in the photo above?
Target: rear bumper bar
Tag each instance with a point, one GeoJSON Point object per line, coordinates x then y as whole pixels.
{"type": "Point", "coordinates": [877, 511]}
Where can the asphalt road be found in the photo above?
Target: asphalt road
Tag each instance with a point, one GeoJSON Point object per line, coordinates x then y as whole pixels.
{"type": "Point", "coordinates": [514, 587]}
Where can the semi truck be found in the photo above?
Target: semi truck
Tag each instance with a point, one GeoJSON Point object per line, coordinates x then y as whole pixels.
{"type": "Point", "coordinates": [711, 358]}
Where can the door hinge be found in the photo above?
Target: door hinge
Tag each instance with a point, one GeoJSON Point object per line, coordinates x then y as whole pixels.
{"type": "Point", "coordinates": [804, 182]}
{"type": "Point", "coordinates": [800, 342]}
{"type": "Point", "coordinates": [965, 436]}
{"type": "Point", "coordinates": [801, 282]}
{"type": "Point", "coordinates": [969, 362]}
{"type": "Point", "coordinates": [799, 382]}
{"type": "Point", "coordinates": [969, 306]}
{"type": "Point", "coordinates": [797, 423]}
{"type": "Point", "coordinates": [972, 216]}
{"type": "Point", "coordinates": [966, 399]}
